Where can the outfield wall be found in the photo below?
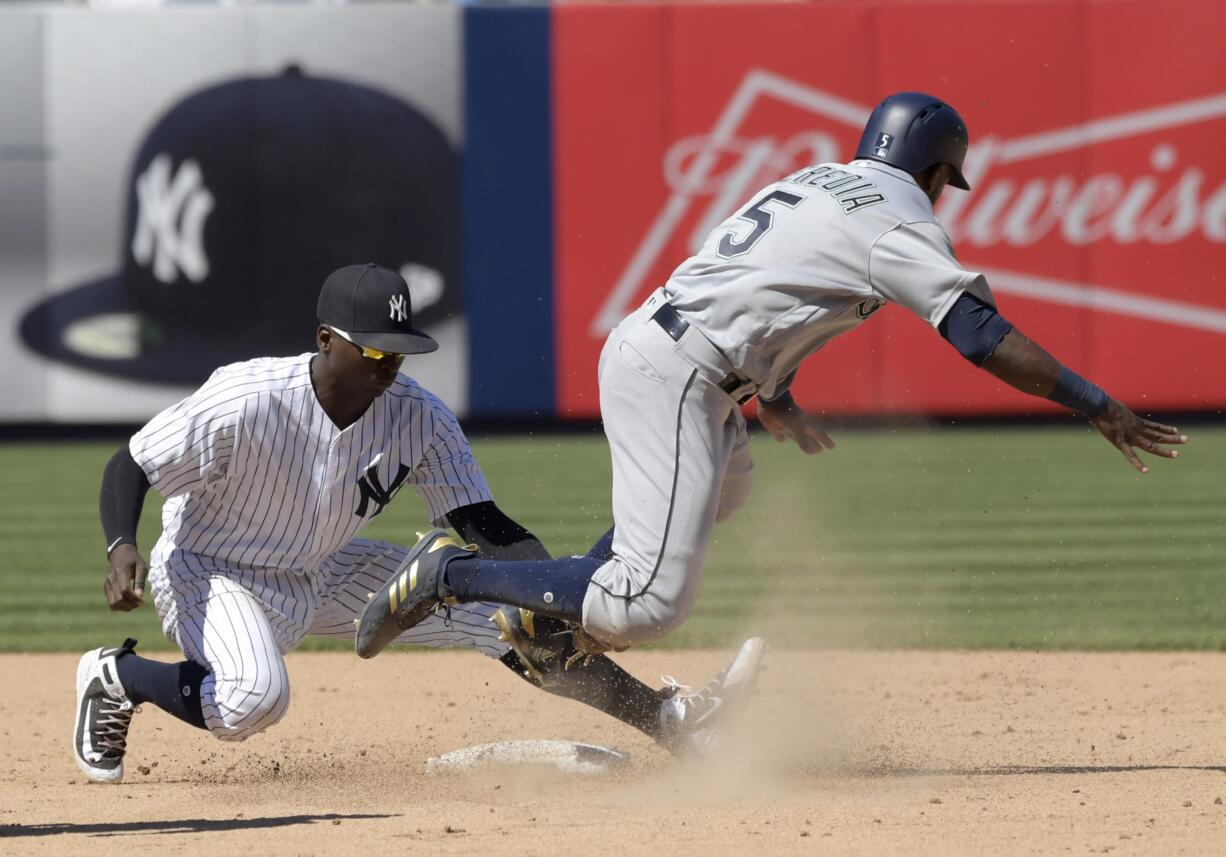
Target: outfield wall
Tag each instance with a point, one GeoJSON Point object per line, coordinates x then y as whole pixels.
{"type": "Point", "coordinates": [598, 144]}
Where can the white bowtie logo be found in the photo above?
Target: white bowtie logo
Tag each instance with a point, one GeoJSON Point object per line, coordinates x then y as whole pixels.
{"type": "Point", "coordinates": [399, 308]}
{"type": "Point", "coordinates": [170, 220]}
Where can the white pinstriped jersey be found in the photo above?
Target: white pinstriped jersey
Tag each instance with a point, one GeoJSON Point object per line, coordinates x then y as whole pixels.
{"type": "Point", "coordinates": [811, 257]}
{"type": "Point", "coordinates": [257, 475]}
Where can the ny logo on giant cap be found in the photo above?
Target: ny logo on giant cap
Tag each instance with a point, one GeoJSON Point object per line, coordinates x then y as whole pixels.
{"type": "Point", "coordinates": [399, 308]}
{"type": "Point", "coordinates": [170, 220]}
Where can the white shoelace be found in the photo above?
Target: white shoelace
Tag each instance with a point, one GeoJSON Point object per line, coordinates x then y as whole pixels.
{"type": "Point", "coordinates": [684, 691]}
{"type": "Point", "coordinates": [681, 690]}
{"type": "Point", "coordinates": [114, 718]}
{"type": "Point", "coordinates": [698, 703]}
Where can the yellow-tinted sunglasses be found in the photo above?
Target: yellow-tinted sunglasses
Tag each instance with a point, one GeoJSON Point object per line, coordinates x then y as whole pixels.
{"type": "Point", "coordinates": [367, 351]}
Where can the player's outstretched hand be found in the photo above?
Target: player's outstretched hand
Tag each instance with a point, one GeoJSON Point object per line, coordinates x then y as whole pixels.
{"type": "Point", "coordinates": [1128, 432]}
{"type": "Point", "coordinates": [783, 418]}
{"type": "Point", "coordinates": [125, 582]}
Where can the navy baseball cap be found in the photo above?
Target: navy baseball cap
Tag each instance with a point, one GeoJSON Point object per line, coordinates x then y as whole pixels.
{"type": "Point", "coordinates": [241, 199]}
{"type": "Point", "coordinates": [371, 306]}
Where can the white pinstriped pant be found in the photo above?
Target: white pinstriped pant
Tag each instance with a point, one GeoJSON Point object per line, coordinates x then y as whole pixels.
{"type": "Point", "coordinates": [240, 621]}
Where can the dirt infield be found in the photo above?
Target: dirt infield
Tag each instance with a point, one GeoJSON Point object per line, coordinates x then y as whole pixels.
{"type": "Point", "coordinates": [842, 753]}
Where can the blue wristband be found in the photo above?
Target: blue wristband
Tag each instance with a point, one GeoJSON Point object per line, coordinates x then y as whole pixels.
{"type": "Point", "coordinates": [1078, 394]}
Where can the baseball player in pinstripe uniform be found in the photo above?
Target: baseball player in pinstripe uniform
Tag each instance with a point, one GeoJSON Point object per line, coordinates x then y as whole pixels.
{"type": "Point", "coordinates": [808, 258]}
{"type": "Point", "coordinates": [270, 470]}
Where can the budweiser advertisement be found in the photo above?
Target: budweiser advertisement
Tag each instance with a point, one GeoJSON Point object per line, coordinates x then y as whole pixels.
{"type": "Point", "coordinates": [1098, 202]}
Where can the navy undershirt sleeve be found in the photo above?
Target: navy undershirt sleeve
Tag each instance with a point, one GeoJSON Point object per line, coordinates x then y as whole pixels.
{"type": "Point", "coordinates": [124, 486]}
{"type": "Point", "coordinates": [494, 533]}
{"type": "Point", "coordinates": [974, 328]}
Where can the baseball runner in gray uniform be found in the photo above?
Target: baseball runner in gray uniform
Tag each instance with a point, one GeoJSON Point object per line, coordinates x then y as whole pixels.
{"type": "Point", "coordinates": [807, 258]}
{"type": "Point", "coordinates": [270, 470]}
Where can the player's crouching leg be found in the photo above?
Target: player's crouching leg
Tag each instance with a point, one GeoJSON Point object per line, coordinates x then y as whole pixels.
{"type": "Point", "coordinates": [235, 709]}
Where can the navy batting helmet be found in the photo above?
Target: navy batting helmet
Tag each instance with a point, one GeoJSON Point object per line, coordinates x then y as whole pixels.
{"type": "Point", "coordinates": [913, 131]}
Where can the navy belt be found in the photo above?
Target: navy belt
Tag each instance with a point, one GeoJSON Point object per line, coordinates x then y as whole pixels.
{"type": "Point", "coordinates": [675, 326]}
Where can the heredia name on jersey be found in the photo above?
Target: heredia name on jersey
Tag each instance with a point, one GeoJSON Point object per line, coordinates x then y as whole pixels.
{"type": "Point", "coordinates": [852, 191]}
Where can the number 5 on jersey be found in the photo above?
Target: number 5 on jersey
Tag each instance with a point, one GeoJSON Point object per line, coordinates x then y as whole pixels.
{"type": "Point", "coordinates": [761, 219]}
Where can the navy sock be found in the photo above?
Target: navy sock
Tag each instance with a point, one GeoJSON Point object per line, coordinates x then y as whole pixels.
{"type": "Point", "coordinates": [551, 587]}
{"type": "Point", "coordinates": [603, 549]}
{"type": "Point", "coordinates": [174, 688]}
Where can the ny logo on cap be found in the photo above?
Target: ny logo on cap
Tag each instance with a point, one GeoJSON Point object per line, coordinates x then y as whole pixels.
{"type": "Point", "coordinates": [399, 307]}
{"type": "Point", "coordinates": [170, 220]}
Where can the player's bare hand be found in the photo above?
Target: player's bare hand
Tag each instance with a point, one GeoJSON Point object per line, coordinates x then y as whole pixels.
{"type": "Point", "coordinates": [125, 581]}
{"type": "Point", "coordinates": [1129, 433]}
{"type": "Point", "coordinates": [784, 419]}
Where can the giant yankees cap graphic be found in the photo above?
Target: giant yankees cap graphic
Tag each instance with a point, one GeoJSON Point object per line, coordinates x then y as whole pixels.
{"type": "Point", "coordinates": [242, 199]}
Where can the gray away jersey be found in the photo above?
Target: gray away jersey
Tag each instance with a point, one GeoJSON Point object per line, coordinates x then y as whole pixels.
{"type": "Point", "coordinates": [255, 473]}
{"type": "Point", "coordinates": [811, 257]}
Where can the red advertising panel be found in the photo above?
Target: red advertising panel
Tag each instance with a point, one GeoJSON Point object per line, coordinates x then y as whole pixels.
{"type": "Point", "coordinates": [1098, 208]}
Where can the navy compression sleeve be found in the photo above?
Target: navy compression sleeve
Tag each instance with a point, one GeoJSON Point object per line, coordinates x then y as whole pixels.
{"type": "Point", "coordinates": [974, 328]}
{"type": "Point", "coordinates": [124, 486]}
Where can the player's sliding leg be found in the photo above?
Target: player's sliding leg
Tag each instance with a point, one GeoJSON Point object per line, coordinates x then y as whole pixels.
{"type": "Point", "coordinates": [597, 681]}
{"type": "Point", "coordinates": [684, 722]}
{"type": "Point", "coordinates": [545, 647]}
{"type": "Point", "coordinates": [540, 649]}
{"type": "Point", "coordinates": [543, 653]}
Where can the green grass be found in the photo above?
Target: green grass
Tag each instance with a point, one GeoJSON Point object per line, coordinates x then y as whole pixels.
{"type": "Point", "coordinates": [1037, 538]}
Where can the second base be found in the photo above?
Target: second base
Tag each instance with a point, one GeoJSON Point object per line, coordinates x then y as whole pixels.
{"type": "Point", "coordinates": [568, 756]}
